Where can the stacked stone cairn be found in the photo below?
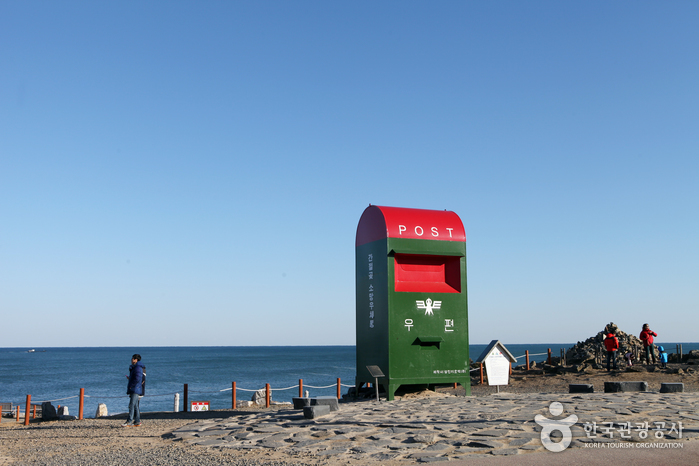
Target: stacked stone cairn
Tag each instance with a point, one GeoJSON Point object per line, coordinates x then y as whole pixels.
{"type": "Point", "coordinates": [586, 351]}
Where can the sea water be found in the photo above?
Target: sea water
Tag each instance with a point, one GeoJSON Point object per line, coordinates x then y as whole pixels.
{"type": "Point", "coordinates": [57, 374]}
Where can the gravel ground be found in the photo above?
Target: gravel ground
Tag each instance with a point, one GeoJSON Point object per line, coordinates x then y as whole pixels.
{"type": "Point", "coordinates": [104, 442]}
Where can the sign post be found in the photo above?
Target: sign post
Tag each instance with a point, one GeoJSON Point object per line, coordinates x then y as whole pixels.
{"type": "Point", "coordinates": [497, 362]}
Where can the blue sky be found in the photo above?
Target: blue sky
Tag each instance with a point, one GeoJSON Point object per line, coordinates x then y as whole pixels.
{"type": "Point", "coordinates": [192, 173]}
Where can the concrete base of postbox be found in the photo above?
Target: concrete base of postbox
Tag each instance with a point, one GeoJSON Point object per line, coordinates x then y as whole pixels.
{"type": "Point", "coordinates": [671, 387]}
{"type": "Point", "coordinates": [312, 412]}
{"type": "Point", "coordinates": [581, 388]}
{"type": "Point", "coordinates": [614, 387]}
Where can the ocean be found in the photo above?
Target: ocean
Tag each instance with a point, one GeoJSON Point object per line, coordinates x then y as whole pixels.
{"type": "Point", "coordinates": [57, 374]}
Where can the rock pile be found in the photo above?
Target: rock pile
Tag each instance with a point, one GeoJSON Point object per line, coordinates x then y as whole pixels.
{"type": "Point", "coordinates": [587, 351]}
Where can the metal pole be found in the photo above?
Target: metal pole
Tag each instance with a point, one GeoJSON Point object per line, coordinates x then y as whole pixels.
{"type": "Point", "coordinates": [233, 400]}
{"type": "Point", "coordinates": [82, 404]}
{"type": "Point", "coordinates": [267, 395]}
{"type": "Point", "coordinates": [378, 400]}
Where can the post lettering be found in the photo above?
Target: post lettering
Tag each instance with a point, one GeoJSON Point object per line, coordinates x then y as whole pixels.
{"type": "Point", "coordinates": [435, 232]}
{"type": "Point", "coordinates": [421, 231]}
{"type": "Point", "coordinates": [401, 229]}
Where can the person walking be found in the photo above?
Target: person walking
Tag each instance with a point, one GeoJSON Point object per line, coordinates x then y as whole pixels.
{"type": "Point", "coordinates": [135, 390]}
{"type": "Point", "coordinates": [647, 338]}
{"type": "Point", "coordinates": [612, 345]}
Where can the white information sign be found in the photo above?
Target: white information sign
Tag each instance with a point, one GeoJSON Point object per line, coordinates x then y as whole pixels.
{"type": "Point", "coordinates": [497, 367]}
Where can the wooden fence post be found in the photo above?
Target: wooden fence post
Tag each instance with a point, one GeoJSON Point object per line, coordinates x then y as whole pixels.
{"type": "Point", "coordinates": [28, 409]}
{"type": "Point", "coordinates": [82, 404]}
{"type": "Point", "coordinates": [300, 388]}
{"type": "Point", "coordinates": [527, 355]}
{"type": "Point", "coordinates": [186, 398]}
{"type": "Point", "coordinates": [481, 373]}
{"type": "Point", "coordinates": [233, 400]}
{"type": "Point", "coordinates": [267, 393]}
{"type": "Point", "coordinates": [339, 390]}
{"type": "Point", "coordinates": [549, 356]}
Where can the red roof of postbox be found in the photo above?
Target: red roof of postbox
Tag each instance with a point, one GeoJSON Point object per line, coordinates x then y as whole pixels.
{"type": "Point", "coordinates": [379, 222]}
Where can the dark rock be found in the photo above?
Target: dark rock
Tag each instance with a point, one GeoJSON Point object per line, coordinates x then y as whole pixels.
{"type": "Point", "coordinates": [312, 412]}
{"type": "Point", "coordinates": [581, 388]}
{"type": "Point", "coordinates": [614, 387]}
{"type": "Point", "coordinates": [329, 401]}
{"type": "Point", "coordinates": [671, 387]}
{"type": "Point", "coordinates": [48, 411]}
{"type": "Point", "coordinates": [300, 403]}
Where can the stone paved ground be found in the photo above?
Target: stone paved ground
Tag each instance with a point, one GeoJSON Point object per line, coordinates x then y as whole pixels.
{"type": "Point", "coordinates": [449, 427]}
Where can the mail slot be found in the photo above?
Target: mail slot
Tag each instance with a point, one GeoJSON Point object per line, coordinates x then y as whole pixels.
{"type": "Point", "coordinates": [412, 306]}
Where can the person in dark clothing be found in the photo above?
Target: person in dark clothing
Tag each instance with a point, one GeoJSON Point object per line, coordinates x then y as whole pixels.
{"type": "Point", "coordinates": [612, 345]}
{"type": "Point", "coordinates": [135, 390]}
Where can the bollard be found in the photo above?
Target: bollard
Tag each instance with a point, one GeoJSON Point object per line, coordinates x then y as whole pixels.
{"type": "Point", "coordinates": [17, 417]}
{"type": "Point", "coordinates": [510, 370]}
{"type": "Point", "coordinates": [34, 414]}
{"type": "Point", "coordinates": [186, 396]}
{"type": "Point", "coordinates": [527, 354]}
{"type": "Point", "coordinates": [176, 407]}
{"type": "Point", "coordinates": [481, 373]}
{"type": "Point", "coordinates": [454, 385]}
{"type": "Point", "coordinates": [267, 393]}
{"type": "Point", "coordinates": [300, 388]}
{"type": "Point", "coordinates": [549, 356]}
{"type": "Point", "coordinates": [233, 400]}
{"type": "Point", "coordinates": [82, 404]}
{"type": "Point", "coordinates": [339, 390]}
{"type": "Point", "coordinates": [27, 410]}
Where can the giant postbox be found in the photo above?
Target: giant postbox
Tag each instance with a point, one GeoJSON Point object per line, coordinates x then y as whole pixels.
{"type": "Point", "coordinates": [412, 306]}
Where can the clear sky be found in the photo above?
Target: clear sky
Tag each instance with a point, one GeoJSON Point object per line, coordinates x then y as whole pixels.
{"type": "Point", "coordinates": [192, 173]}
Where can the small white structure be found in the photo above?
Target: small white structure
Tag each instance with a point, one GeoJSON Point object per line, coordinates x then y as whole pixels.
{"type": "Point", "coordinates": [497, 363]}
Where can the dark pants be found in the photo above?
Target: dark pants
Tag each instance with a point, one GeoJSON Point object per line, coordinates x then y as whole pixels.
{"type": "Point", "coordinates": [611, 356]}
{"type": "Point", "coordinates": [649, 353]}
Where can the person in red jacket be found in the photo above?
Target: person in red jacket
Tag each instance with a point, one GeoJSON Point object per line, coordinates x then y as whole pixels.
{"type": "Point", "coordinates": [647, 338]}
{"type": "Point", "coordinates": [612, 345]}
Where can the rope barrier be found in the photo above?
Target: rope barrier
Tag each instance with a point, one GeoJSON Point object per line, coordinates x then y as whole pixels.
{"type": "Point", "coordinates": [311, 386]}
{"type": "Point", "coordinates": [538, 354]}
{"type": "Point", "coordinates": [51, 401]}
{"type": "Point", "coordinates": [287, 388]}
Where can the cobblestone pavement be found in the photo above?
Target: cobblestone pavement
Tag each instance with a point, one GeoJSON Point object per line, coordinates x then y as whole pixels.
{"type": "Point", "coordinates": [442, 428]}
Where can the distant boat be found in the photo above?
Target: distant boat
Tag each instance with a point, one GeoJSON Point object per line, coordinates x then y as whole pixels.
{"type": "Point", "coordinates": [31, 351]}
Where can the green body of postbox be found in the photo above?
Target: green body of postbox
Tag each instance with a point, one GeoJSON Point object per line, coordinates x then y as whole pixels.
{"type": "Point", "coordinates": [412, 305]}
